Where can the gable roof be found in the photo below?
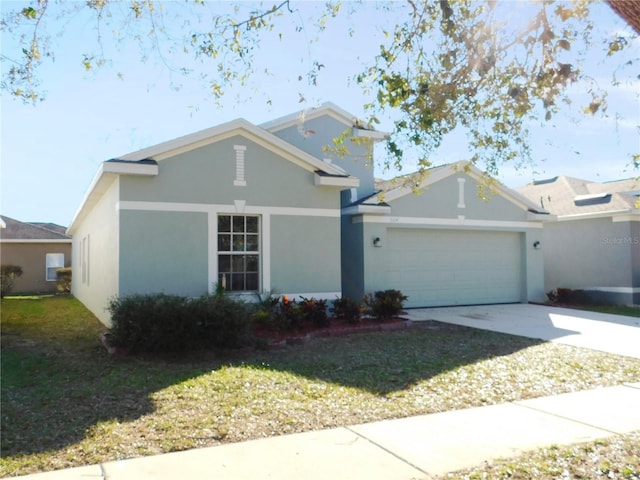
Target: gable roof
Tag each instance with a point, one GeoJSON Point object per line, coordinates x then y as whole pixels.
{"type": "Point", "coordinates": [407, 184]}
{"type": "Point", "coordinates": [235, 127]}
{"type": "Point", "coordinates": [145, 161]}
{"type": "Point", "coordinates": [326, 109]}
{"type": "Point", "coordinates": [17, 231]}
{"type": "Point", "coordinates": [573, 197]}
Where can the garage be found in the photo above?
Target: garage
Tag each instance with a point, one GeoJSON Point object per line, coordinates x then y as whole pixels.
{"type": "Point", "coordinates": [455, 267]}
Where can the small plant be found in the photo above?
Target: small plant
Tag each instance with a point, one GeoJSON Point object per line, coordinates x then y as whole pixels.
{"type": "Point", "coordinates": [314, 311]}
{"type": "Point", "coordinates": [8, 274]}
{"type": "Point", "coordinates": [347, 309]}
{"type": "Point", "coordinates": [63, 276]}
{"type": "Point", "coordinates": [384, 304]}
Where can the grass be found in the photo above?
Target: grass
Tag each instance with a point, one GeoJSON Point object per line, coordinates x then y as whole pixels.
{"type": "Point", "coordinates": [66, 402]}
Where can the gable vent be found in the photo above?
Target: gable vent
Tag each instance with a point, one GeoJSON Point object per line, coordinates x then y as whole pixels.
{"type": "Point", "coordinates": [240, 180]}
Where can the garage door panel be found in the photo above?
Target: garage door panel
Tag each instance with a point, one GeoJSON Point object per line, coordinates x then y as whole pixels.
{"type": "Point", "coordinates": [448, 267]}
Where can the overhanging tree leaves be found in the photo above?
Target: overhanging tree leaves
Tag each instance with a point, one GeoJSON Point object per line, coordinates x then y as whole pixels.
{"type": "Point", "coordinates": [491, 69]}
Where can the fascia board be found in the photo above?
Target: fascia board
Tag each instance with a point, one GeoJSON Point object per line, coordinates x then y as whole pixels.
{"type": "Point", "coordinates": [369, 209]}
{"type": "Point", "coordinates": [335, 181]}
{"type": "Point", "coordinates": [327, 108]}
{"type": "Point", "coordinates": [130, 168]}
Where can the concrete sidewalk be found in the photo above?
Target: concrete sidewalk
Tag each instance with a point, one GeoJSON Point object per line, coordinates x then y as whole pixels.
{"type": "Point", "coordinates": [410, 448]}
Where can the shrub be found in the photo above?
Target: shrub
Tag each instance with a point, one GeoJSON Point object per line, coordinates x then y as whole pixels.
{"type": "Point", "coordinates": [222, 322]}
{"type": "Point", "coordinates": [567, 295]}
{"type": "Point", "coordinates": [347, 309]}
{"type": "Point", "coordinates": [152, 323]}
{"type": "Point", "coordinates": [314, 311]}
{"type": "Point", "coordinates": [8, 274]}
{"type": "Point", "coordinates": [64, 280]}
{"type": "Point", "coordinates": [384, 304]}
{"type": "Point", "coordinates": [171, 323]}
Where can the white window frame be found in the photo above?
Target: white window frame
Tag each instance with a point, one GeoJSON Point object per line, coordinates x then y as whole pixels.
{"type": "Point", "coordinates": [53, 261]}
{"type": "Point", "coordinates": [225, 280]}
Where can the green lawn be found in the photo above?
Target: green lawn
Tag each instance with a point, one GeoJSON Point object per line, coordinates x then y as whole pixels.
{"type": "Point", "coordinates": [66, 402]}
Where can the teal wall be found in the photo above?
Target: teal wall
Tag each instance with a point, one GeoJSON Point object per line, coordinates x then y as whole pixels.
{"type": "Point", "coordinates": [163, 252]}
{"type": "Point", "coordinates": [305, 254]}
{"type": "Point", "coordinates": [359, 161]}
{"type": "Point", "coordinates": [206, 176]}
{"type": "Point", "coordinates": [440, 200]}
{"type": "Point", "coordinates": [352, 258]}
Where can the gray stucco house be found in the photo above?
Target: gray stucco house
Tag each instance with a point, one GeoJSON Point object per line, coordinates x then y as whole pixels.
{"type": "Point", "coordinates": [263, 208]}
{"type": "Point", "coordinates": [594, 244]}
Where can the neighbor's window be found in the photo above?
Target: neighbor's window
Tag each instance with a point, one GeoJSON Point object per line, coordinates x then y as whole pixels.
{"type": "Point", "coordinates": [239, 252]}
{"type": "Point", "coordinates": [54, 262]}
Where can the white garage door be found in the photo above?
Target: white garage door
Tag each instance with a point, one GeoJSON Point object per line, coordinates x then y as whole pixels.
{"type": "Point", "coordinates": [455, 267]}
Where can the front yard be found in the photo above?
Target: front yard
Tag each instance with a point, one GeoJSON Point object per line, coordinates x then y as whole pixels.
{"type": "Point", "coordinates": [66, 402]}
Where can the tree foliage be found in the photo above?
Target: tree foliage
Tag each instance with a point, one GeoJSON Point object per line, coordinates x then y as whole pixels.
{"type": "Point", "coordinates": [492, 69]}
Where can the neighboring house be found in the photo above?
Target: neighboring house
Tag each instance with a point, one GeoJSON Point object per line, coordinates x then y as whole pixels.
{"type": "Point", "coordinates": [595, 243]}
{"type": "Point", "coordinates": [270, 208]}
{"type": "Point", "coordinates": [39, 248]}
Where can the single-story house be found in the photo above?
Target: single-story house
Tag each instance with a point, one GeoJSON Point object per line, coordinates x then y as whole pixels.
{"type": "Point", "coordinates": [595, 243]}
{"type": "Point", "coordinates": [260, 208]}
{"type": "Point", "coordinates": [39, 249]}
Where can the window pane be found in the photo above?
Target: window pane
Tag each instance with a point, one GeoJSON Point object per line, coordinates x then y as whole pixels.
{"type": "Point", "coordinates": [238, 243]}
{"type": "Point", "coordinates": [252, 243]}
{"type": "Point", "coordinates": [224, 243]}
{"type": "Point", "coordinates": [238, 224]}
{"type": "Point", "coordinates": [237, 263]}
{"type": "Point", "coordinates": [224, 223]}
{"type": "Point", "coordinates": [252, 281]}
{"type": "Point", "coordinates": [252, 263]}
{"type": "Point", "coordinates": [51, 274]}
{"type": "Point", "coordinates": [252, 224]}
{"type": "Point", "coordinates": [224, 263]}
{"type": "Point", "coordinates": [237, 281]}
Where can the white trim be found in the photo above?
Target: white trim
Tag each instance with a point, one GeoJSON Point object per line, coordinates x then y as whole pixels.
{"type": "Point", "coordinates": [591, 196]}
{"type": "Point", "coordinates": [212, 251]}
{"type": "Point", "coordinates": [266, 253]}
{"type": "Point", "coordinates": [611, 213]}
{"type": "Point", "coordinates": [364, 208]}
{"type": "Point", "coordinates": [33, 240]}
{"type": "Point", "coordinates": [461, 182]}
{"type": "Point", "coordinates": [446, 222]}
{"type": "Point", "coordinates": [633, 217]}
{"type": "Point", "coordinates": [301, 116]}
{"type": "Point", "coordinates": [613, 289]}
{"type": "Point", "coordinates": [128, 168]}
{"type": "Point", "coordinates": [331, 181]}
{"type": "Point", "coordinates": [375, 135]}
{"type": "Point", "coordinates": [316, 295]}
{"type": "Point", "coordinates": [226, 208]}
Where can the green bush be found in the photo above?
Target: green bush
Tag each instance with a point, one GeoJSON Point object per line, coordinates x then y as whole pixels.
{"type": "Point", "coordinates": [384, 304]}
{"type": "Point", "coordinates": [347, 309]}
{"type": "Point", "coordinates": [280, 314]}
{"type": "Point", "coordinates": [63, 276]}
{"type": "Point", "coordinates": [171, 323]}
{"type": "Point", "coordinates": [8, 274]}
{"type": "Point", "coordinates": [222, 321]}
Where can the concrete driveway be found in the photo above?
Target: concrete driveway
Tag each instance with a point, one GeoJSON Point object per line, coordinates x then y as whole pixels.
{"type": "Point", "coordinates": [617, 334]}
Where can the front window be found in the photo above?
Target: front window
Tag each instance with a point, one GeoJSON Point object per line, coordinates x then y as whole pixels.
{"type": "Point", "coordinates": [239, 252]}
{"type": "Point", "coordinates": [54, 262]}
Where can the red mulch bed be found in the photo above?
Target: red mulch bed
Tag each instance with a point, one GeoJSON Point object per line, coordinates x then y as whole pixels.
{"type": "Point", "coordinates": [336, 328]}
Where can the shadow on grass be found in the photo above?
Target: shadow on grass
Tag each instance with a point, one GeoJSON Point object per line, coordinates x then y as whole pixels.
{"type": "Point", "coordinates": [55, 392]}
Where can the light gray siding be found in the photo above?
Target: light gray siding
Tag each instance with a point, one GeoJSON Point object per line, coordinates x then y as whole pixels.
{"type": "Point", "coordinates": [597, 255]}
{"type": "Point", "coordinates": [358, 161]}
{"type": "Point", "coordinates": [163, 252]}
{"type": "Point", "coordinates": [305, 255]}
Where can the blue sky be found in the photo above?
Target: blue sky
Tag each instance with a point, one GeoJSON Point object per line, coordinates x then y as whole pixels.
{"type": "Point", "coordinates": [50, 152]}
